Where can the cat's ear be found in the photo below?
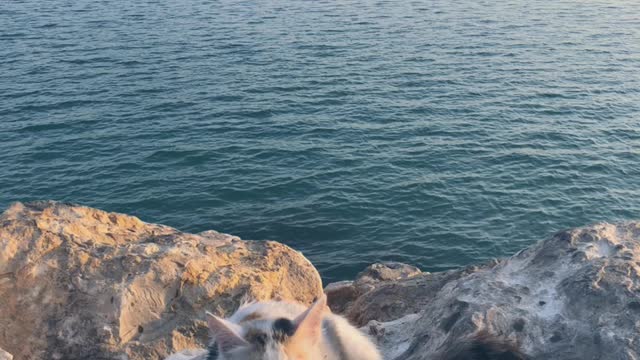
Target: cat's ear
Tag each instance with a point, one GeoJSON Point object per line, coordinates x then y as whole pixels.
{"type": "Point", "coordinates": [224, 333]}
{"type": "Point", "coordinates": [308, 325]}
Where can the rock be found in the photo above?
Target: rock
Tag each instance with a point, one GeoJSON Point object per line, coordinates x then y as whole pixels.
{"type": "Point", "coordinates": [388, 271]}
{"type": "Point", "coordinates": [573, 296]}
{"type": "Point", "coordinates": [80, 283]}
{"type": "Point", "coordinates": [390, 300]}
{"type": "Point", "coordinates": [341, 295]}
{"type": "Point", "coordinates": [392, 337]}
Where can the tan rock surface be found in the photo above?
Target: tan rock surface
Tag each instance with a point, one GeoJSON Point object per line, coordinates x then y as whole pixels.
{"type": "Point", "coordinates": [80, 283]}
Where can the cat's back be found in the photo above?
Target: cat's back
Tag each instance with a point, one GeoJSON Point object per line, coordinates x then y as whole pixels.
{"type": "Point", "coordinates": [347, 340]}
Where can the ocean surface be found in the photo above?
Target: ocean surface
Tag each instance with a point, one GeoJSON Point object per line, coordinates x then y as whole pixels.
{"type": "Point", "coordinates": [438, 133]}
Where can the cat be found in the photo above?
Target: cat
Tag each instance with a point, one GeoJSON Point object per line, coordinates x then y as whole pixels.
{"type": "Point", "coordinates": [278, 330]}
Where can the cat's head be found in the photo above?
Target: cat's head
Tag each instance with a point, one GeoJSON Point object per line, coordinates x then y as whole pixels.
{"type": "Point", "coordinates": [269, 339]}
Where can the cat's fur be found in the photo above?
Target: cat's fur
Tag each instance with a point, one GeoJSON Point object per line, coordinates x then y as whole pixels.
{"type": "Point", "coordinates": [278, 330]}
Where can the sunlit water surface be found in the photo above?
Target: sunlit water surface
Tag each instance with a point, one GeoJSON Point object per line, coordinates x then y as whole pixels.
{"type": "Point", "coordinates": [438, 133]}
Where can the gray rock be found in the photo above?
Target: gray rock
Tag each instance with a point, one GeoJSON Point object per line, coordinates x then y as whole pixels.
{"type": "Point", "coordinates": [342, 295]}
{"type": "Point", "coordinates": [573, 296]}
{"type": "Point", "coordinates": [388, 271]}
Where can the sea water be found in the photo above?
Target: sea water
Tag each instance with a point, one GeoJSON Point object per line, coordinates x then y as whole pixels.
{"type": "Point", "coordinates": [438, 133]}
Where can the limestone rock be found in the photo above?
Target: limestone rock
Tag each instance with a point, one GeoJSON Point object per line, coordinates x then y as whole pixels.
{"type": "Point", "coordinates": [573, 296]}
{"type": "Point", "coordinates": [80, 283]}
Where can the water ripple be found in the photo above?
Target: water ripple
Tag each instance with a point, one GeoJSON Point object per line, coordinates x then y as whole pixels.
{"type": "Point", "coordinates": [439, 134]}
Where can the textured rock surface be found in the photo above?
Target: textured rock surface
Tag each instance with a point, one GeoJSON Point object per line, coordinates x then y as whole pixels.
{"type": "Point", "coordinates": [573, 296]}
{"type": "Point", "coordinates": [80, 283]}
{"type": "Point", "coordinates": [342, 295]}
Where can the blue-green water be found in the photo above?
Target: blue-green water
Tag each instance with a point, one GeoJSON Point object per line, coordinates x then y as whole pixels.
{"type": "Point", "coordinates": [438, 133]}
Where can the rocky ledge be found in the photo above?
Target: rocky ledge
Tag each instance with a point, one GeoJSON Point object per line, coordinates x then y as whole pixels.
{"type": "Point", "coordinates": [573, 296]}
{"type": "Point", "coordinates": [78, 283]}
